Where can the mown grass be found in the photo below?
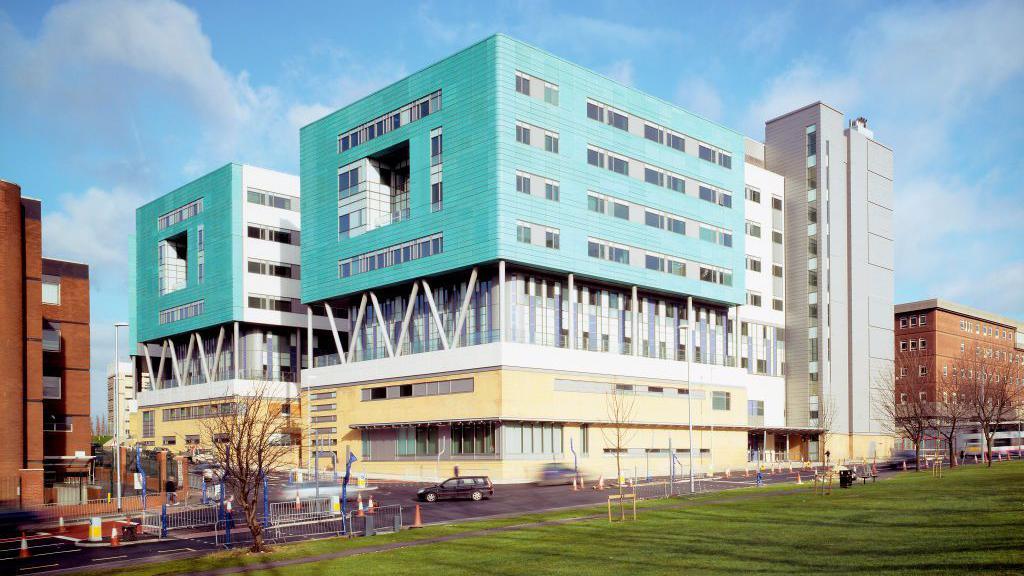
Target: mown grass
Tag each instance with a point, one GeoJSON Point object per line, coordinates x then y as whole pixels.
{"type": "Point", "coordinates": [970, 521]}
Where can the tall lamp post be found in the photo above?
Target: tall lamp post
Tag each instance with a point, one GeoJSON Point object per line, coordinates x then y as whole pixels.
{"type": "Point", "coordinates": [117, 412]}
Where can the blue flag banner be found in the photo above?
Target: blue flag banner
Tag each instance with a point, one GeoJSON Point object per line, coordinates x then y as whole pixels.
{"type": "Point", "coordinates": [344, 485]}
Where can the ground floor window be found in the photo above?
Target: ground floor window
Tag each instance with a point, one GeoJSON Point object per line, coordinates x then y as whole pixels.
{"type": "Point", "coordinates": [529, 438]}
{"type": "Point", "coordinates": [475, 438]}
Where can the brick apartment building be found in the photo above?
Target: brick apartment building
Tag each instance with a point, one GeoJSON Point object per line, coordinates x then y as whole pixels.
{"type": "Point", "coordinates": [932, 335]}
{"type": "Point", "coordinates": [44, 352]}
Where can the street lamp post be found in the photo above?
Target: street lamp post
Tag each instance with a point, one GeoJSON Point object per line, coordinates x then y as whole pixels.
{"type": "Point", "coordinates": [117, 412]}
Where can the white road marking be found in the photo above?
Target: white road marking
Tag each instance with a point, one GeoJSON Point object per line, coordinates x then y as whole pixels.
{"type": "Point", "coordinates": [40, 567]}
{"type": "Point", "coordinates": [109, 558]}
{"type": "Point", "coordinates": [31, 547]}
{"type": "Point", "coordinates": [175, 550]}
{"type": "Point", "coordinates": [45, 554]}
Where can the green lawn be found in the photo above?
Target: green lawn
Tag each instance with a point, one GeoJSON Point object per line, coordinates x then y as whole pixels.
{"type": "Point", "coordinates": [970, 521]}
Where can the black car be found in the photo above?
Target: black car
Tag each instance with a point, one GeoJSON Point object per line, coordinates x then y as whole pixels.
{"type": "Point", "coordinates": [472, 487]}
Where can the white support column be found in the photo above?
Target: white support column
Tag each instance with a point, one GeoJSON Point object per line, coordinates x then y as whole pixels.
{"type": "Point", "coordinates": [216, 353]}
{"type": "Point", "coordinates": [433, 313]}
{"type": "Point", "coordinates": [460, 320]}
{"type": "Point", "coordinates": [571, 344]}
{"type": "Point", "coordinates": [382, 325]}
{"type": "Point", "coordinates": [203, 363]}
{"type": "Point", "coordinates": [334, 333]}
{"type": "Point", "coordinates": [636, 324]}
{"type": "Point", "coordinates": [356, 328]}
{"type": "Point", "coordinates": [691, 323]}
{"type": "Point", "coordinates": [502, 303]}
{"type": "Point", "coordinates": [234, 357]}
{"type": "Point", "coordinates": [407, 318]}
{"type": "Point", "coordinates": [736, 335]}
{"type": "Point", "coordinates": [187, 368]}
{"type": "Point", "coordinates": [309, 338]}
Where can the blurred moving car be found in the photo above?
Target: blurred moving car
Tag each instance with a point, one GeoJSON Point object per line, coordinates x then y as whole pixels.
{"type": "Point", "coordinates": [13, 521]}
{"type": "Point", "coordinates": [282, 492]}
{"type": "Point", "coordinates": [555, 473]}
{"type": "Point", "coordinates": [473, 487]}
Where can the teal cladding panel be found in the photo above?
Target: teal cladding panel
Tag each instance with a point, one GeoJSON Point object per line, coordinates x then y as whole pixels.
{"type": "Point", "coordinates": [221, 191]}
{"type": "Point", "coordinates": [481, 156]}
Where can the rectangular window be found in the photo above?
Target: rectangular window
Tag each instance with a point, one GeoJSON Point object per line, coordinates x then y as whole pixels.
{"type": "Point", "coordinates": [551, 191]}
{"type": "Point", "coordinates": [753, 299]}
{"type": "Point", "coordinates": [187, 211]}
{"type": "Point", "coordinates": [620, 210]}
{"type": "Point", "coordinates": [618, 165]}
{"type": "Point", "coordinates": [551, 94]}
{"type": "Point", "coordinates": [522, 84]}
{"type": "Point", "coordinates": [522, 134]}
{"type": "Point", "coordinates": [51, 290]}
{"type": "Point", "coordinates": [595, 112]}
{"type": "Point", "coordinates": [524, 233]}
{"type": "Point", "coordinates": [753, 264]}
{"type": "Point", "coordinates": [777, 304]}
{"type": "Point", "coordinates": [753, 229]}
{"type": "Point", "coordinates": [51, 388]}
{"type": "Point", "coordinates": [753, 195]}
{"type": "Point", "coordinates": [654, 134]}
{"type": "Point", "coordinates": [551, 239]}
{"type": "Point", "coordinates": [776, 237]}
{"type": "Point", "coordinates": [522, 183]}
{"type": "Point", "coordinates": [147, 424]}
{"type": "Point", "coordinates": [551, 143]}
{"type": "Point", "coordinates": [620, 121]}
{"type": "Point", "coordinates": [776, 271]}
{"type": "Point", "coordinates": [776, 203]}
{"type": "Point", "coordinates": [411, 112]}
{"type": "Point", "coordinates": [721, 400]}
{"type": "Point", "coordinates": [595, 204]}
{"type": "Point", "coordinates": [183, 312]}
{"type": "Point", "coordinates": [272, 199]}
{"type": "Point", "coordinates": [392, 255]}
{"type": "Point", "coordinates": [654, 177]}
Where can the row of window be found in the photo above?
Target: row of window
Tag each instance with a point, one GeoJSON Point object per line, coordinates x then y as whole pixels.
{"type": "Point", "coordinates": [197, 412]}
{"type": "Point", "coordinates": [533, 185]}
{"type": "Point", "coordinates": [392, 255]}
{"type": "Point", "coordinates": [984, 330]}
{"type": "Point", "coordinates": [912, 344]}
{"type": "Point", "coordinates": [275, 303]}
{"type": "Point", "coordinates": [183, 312]}
{"type": "Point", "coordinates": [651, 174]}
{"type": "Point", "coordinates": [524, 234]}
{"type": "Point", "coordinates": [438, 388]}
{"type": "Point", "coordinates": [273, 199]}
{"type": "Point", "coordinates": [754, 195]}
{"type": "Point", "coordinates": [273, 234]}
{"type": "Point", "coordinates": [609, 205]}
{"type": "Point", "coordinates": [606, 250]}
{"type": "Point", "coordinates": [754, 265]}
{"type": "Point", "coordinates": [654, 132]}
{"type": "Point", "coordinates": [277, 269]}
{"type": "Point", "coordinates": [531, 136]}
{"type": "Point", "coordinates": [180, 214]}
{"type": "Point", "coordinates": [381, 125]}
{"type": "Point", "coordinates": [916, 320]}
{"type": "Point", "coordinates": [536, 88]}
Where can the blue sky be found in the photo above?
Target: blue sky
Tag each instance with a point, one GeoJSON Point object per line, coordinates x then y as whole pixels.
{"type": "Point", "coordinates": [108, 103]}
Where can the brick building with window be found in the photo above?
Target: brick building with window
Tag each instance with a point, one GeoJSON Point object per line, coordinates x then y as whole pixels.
{"type": "Point", "coordinates": [44, 350]}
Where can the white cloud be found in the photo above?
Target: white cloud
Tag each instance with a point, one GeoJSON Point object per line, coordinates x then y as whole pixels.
{"type": "Point", "coordinates": [621, 71]}
{"type": "Point", "coordinates": [92, 227]}
{"type": "Point", "coordinates": [700, 96]}
{"type": "Point", "coordinates": [919, 72]}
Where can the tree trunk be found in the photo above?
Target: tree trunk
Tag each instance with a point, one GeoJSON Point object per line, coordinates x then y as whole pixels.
{"type": "Point", "coordinates": [988, 446]}
{"type": "Point", "coordinates": [951, 441]}
{"type": "Point", "coordinates": [618, 480]}
{"type": "Point", "coordinates": [917, 456]}
{"type": "Point", "coordinates": [255, 528]}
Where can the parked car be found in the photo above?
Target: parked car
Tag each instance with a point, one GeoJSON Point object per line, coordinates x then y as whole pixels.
{"type": "Point", "coordinates": [472, 487]}
{"type": "Point", "coordinates": [554, 473]}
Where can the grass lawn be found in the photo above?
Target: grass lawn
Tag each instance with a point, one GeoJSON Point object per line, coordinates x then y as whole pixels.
{"type": "Point", "coordinates": [970, 521]}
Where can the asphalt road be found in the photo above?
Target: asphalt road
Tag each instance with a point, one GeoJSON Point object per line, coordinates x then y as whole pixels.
{"type": "Point", "coordinates": [53, 555]}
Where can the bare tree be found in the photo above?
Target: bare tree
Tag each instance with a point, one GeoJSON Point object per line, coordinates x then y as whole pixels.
{"type": "Point", "coordinates": [826, 421]}
{"type": "Point", "coordinates": [620, 405]}
{"type": "Point", "coordinates": [953, 409]}
{"type": "Point", "coordinates": [903, 397]}
{"type": "Point", "coordinates": [251, 437]}
{"type": "Point", "coordinates": [100, 427]}
{"type": "Point", "coordinates": [991, 381]}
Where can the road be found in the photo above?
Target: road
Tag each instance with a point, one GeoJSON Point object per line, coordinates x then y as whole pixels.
{"type": "Point", "coordinates": [54, 555]}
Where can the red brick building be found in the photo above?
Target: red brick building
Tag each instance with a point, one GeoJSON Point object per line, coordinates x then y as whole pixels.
{"type": "Point", "coordinates": [44, 352]}
{"type": "Point", "coordinates": [931, 336]}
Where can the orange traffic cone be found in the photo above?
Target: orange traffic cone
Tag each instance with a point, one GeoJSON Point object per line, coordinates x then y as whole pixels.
{"type": "Point", "coordinates": [746, 472]}
{"type": "Point", "coordinates": [583, 485]}
{"type": "Point", "coordinates": [359, 499]}
{"type": "Point", "coordinates": [60, 525]}
{"type": "Point", "coordinates": [798, 480]}
{"type": "Point", "coordinates": [727, 473]}
{"type": "Point", "coordinates": [600, 483]}
{"type": "Point", "coordinates": [369, 506]}
{"type": "Point", "coordinates": [904, 465]}
{"type": "Point", "coordinates": [417, 520]}
{"type": "Point", "coordinates": [575, 488]}
{"type": "Point", "coordinates": [115, 541]}
{"type": "Point", "coordinates": [298, 503]}
{"type": "Point", "coordinates": [23, 553]}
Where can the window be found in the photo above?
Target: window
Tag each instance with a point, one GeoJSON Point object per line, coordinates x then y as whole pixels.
{"type": "Point", "coordinates": [753, 195]}
{"type": "Point", "coordinates": [913, 321]}
{"type": "Point", "coordinates": [595, 204]}
{"type": "Point", "coordinates": [551, 239]}
{"type": "Point", "coordinates": [392, 255]}
{"type": "Point", "coordinates": [755, 407]}
{"type": "Point", "coordinates": [551, 190]}
{"type": "Point", "coordinates": [753, 229]}
{"type": "Point", "coordinates": [776, 237]}
{"type": "Point", "coordinates": [618, 165]}
{"type": "Point", "coordinates": [551, 142]}
{"type": "Point", "coordinates": [275, 303]}
{"type": "Point", "coordinates": [411, 112]}
{"type": "Point", "coordinates": [278, 269]}
{"type": "Point", "coordinates": [776, 271]}
{"type": "Point", "coordinates": [753, 264]}
{"type": "Point", "coordinates": [522, 134]}
{"type": "Point", "coordinates": [620, 210]}
{"type": "Point", "coordinates": [436, 146]}
{"type": "Point", "coordinates": [595, 112]}
{"type": "Point", "coordinates": [522, 183]}
{"type": "Point", "coordinates": [721, 400]}
{"type": "Point", "coordinates": [551, 94]}
{"type": "Point", "coordinates": [51, 290]}
{"type": "Point", "coordinates": [187, 211]}
{"type": "Point", "coordinates": [654, 134]}
{"type": "Point", "coordinates": [754, 299]}
{"type": "Point", "coordinates": [522, 84]}
{"type": "Point", "coordinates": [620, 121]}
{"type": "Point", "coordinates": [922, 370]}
{"type": "Point", "coordinates": [776, 203]}
{"type": "Point", "coordinates": [272, 199]}
{"type": "Point", "coordinates": [272, 234]}
{"type": "Point", "coordinates": [172, 263]}
{"type": "Point", "coordinates": [921, 320]}
{"type": "Point", "coordinates": [170, 440]}
{"type": "Point", "coordinates": [436, 196]}
{"type": "Point", "coordinates": [903, 345]}
{"type": "Point", "coordinates": [903, 322]}
{"type": "Point", "coordinates": [922, 344]}
{"type": "Point", "coordinates": [777, 304]}
{"type": "Point", "coordinates": [183, 312]}
{"type": "Point", "coordinates": [523, 233]}
{"type": "Point", "coordinates": [474, 438]}
{"type": "Point", "coordinates": [147, 424]}
{"type": "Point", "coordinates": [51, 388]}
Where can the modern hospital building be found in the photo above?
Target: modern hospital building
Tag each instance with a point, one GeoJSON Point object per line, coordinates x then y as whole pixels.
{"type": "Point", "coordinates": [496, 247]}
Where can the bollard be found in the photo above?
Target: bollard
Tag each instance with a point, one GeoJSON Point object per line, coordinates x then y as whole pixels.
{"type": "Point", "coordinates": [398, 521]}
{"type": "Point", "coordinates": [163, 521]}
{"type": "Point", "coordinates": [369, 529]}
{"type": "Point", "coordinates": [335, 506]}
{"type": "Point", "coordinates": [95, 529]}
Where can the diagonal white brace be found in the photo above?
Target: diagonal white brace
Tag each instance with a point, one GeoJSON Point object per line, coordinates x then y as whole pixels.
{"type": "Point", "coordinates": [461, 318]}
{"type": "Point", "coordinates": [334, 333]}
{"type": "Point", "coordinates": [407, 318]}
{"type": "Point", "coordinates": [216, 354]}
{"type": "Point", "coordinates": [434, 314]}
{"type": "Point", "coordinates": [356, 328]}
{"type": "Point", "coordinates": [383, 327]}
{"type": "Point", "coordinates": [203, 363]}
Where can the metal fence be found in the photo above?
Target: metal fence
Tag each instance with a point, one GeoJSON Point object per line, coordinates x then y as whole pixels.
{"type": "Point", "coordinates": [287, 527]}
{"type": "Point", "coordinates": [181, 516]}
{"type": "Point", "coordinates": [299, 510]}
{"type": "Point", "coordinates": [101, 507]}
